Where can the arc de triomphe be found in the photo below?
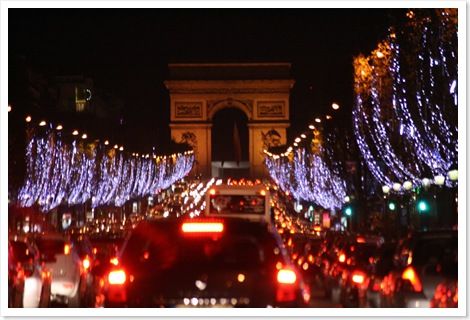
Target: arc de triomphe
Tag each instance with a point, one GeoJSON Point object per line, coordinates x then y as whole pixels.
{"type": "Point", "coordinates": [260, 90]}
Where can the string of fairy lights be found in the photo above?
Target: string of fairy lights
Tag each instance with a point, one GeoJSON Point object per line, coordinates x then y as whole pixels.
{"type": "Point", "coordinates": [308, 170]}
{"type": "Point", "coordinates": [90, 170]}
{"type": "Point", "coordinates": [405, 115]}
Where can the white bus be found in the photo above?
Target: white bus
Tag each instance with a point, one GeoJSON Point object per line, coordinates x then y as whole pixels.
{"type": "Point", "coordinates": [245, 201]}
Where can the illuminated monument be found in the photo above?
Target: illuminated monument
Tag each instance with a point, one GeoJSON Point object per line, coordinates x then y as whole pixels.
{"type": "Point", "coordinates": [199, 92]}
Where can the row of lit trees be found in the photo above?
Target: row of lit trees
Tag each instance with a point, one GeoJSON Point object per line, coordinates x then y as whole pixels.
{"type": "Point", "coordinates": [66, 167]}
{"type": "Point", "coordinates": [309, 169]}
{"type": "Point", "coordinates": [405, 114]}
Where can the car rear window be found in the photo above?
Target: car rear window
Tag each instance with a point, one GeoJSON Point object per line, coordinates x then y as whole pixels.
{"type": "Point", "coordinates": [165, 249]}
{"type": "Point", "coordinates": [437, 255]}
{"type": "Point", "coordinates": [249, 204]}
{"type": "Point", "coordinates": [50, 246]}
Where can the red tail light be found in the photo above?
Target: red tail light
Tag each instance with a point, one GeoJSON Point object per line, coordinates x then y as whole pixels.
{"type": "Point", "coordinates": [117, 277]}
{"type": "Point", "coordinates": [202, 227]}
{"type": "Point", "coordinates": [358, 277]}
{"type": "Point", "coordinates": [286, 290]}
{"type": "Point", "coordinates": [342, 258]}
{"type": "Point", "coordinates": [117, 291]}
{"type": "Point", "coordinates": [286, 276]}
{"type": "Point", "coordinates": [66, 249]}
{"type": "Point", "coordinates": [114, 261]}
{"type": "Point", "coordinates": [86, 263]}
{"type": "Point", "coordinates": [410, 274]}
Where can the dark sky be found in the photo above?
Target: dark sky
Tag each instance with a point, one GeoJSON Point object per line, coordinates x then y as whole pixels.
{"type": "Point", "coordinates": [126, 51]}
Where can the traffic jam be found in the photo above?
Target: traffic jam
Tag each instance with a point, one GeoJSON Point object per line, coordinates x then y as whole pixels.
{"type": "Point", "coordinates": [229, 243]}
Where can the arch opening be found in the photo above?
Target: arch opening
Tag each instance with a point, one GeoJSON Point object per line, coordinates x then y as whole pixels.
{"type": "Point", "coordinates": [230, 144]}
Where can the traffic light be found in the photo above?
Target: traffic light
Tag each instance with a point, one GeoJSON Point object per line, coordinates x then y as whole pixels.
{"type": "Point", "coordinates": [348, 210]}
{"type": "Point", "coordinates": [423, 206]}
{"type": "Point", "coordinates": [392, 205]}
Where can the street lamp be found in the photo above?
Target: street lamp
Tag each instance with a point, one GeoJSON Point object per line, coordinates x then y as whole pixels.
{"type": "Point", "coordinates": [317, 120]}
{"type": "Point", "coordinates": [385, 189]}
{"type": "Point", "coordinates": [426, 182]}
{"type": "Point", "coordinates": [396, 186]}
{"type": "Point", "coordinates": [335, 106]}
{"type": "Point", "coordinates": [453, 175]}
{"type": "Point", "coordinates": [439, 180]}
{"type": "Point", "coordinates": [407, 185]}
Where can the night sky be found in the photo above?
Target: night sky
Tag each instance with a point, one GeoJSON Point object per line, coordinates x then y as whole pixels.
{"type": "Point", "coordinates": [126, 51]}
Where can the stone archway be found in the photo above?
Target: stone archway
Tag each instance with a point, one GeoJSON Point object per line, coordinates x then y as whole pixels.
{"type": "Point", "coordinates": [260, 90]}
{"type": "Point", "coordinates": [215, 106]}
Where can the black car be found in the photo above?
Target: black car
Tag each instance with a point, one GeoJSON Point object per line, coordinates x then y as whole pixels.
{"type": "Point", "coordinates": [423, 261]}
{"type": "Point", "coordinates": [226, 262]}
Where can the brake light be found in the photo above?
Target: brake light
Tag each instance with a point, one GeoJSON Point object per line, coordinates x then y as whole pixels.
{"type": "Point", "coordinates": [114, 261]}
{"type": "Point", "coordinates": [286, 276]}
{"type": "Point", "coordinates": [342, 258]}
{"type": "Point", "coordinates": [358, 277]}
{"type": "Point", "coordinates": [117, 277]}
{"type": "Point", "coordinates": [66, 249]}
{"type": "Point", "coordinates": [410, 274]}
{"type": "Point", "coordinates": [360, 240]}
{"type": "Point", "coordinates": [286, 290]}
{"type": "Point", "coordinates": [86, 263]}
{"type": "Point", "coordinates": [202, 227]}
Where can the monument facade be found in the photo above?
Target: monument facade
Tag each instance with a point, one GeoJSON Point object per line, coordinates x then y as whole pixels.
{"type": "Point", "coordinates": [260, 90]}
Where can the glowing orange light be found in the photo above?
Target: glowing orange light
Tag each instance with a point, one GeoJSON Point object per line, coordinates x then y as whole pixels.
{"type": "Point", "coordinates": [410, 274]}
{"type": "Point", "coordinates": [358, 278]}
{"type": "Point", "coordinates": [342, 257]}
{"type": "Point", "coordinates": [86, 263]}
{"type": "Point", "coordinates": [117, 277]}
{"type": "Point", "coordinates": [286, 276]}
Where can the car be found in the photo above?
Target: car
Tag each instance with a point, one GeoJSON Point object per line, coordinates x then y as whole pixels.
{"type": "Point", "coordinates": [82, 244]}
{"type": "Point", "coordinates": [29, 283]}
{"type": "Point", "coordinates": [423, 260]}
{"type": "Point", "coordinates": [61, 258]}
{"type": "Point", "coordinates": [204, 262]}
{"type": "Point", "coordinates": [105, 248]}
{"type": "Point", "coordinates": [358, 269]}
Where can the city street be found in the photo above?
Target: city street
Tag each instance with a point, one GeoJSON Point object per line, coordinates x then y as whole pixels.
{"type": "Point", "coordinates": [234, 158]}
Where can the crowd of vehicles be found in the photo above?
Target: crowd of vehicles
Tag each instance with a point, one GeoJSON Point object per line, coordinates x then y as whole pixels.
{"type": "Point", "coordinates": [235, 254]}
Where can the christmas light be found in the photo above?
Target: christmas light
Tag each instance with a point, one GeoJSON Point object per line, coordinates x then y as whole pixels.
{"type": "Point", "coordinates": [424, 124]}
{"type": "Point", "coordinates": [57, 173]}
